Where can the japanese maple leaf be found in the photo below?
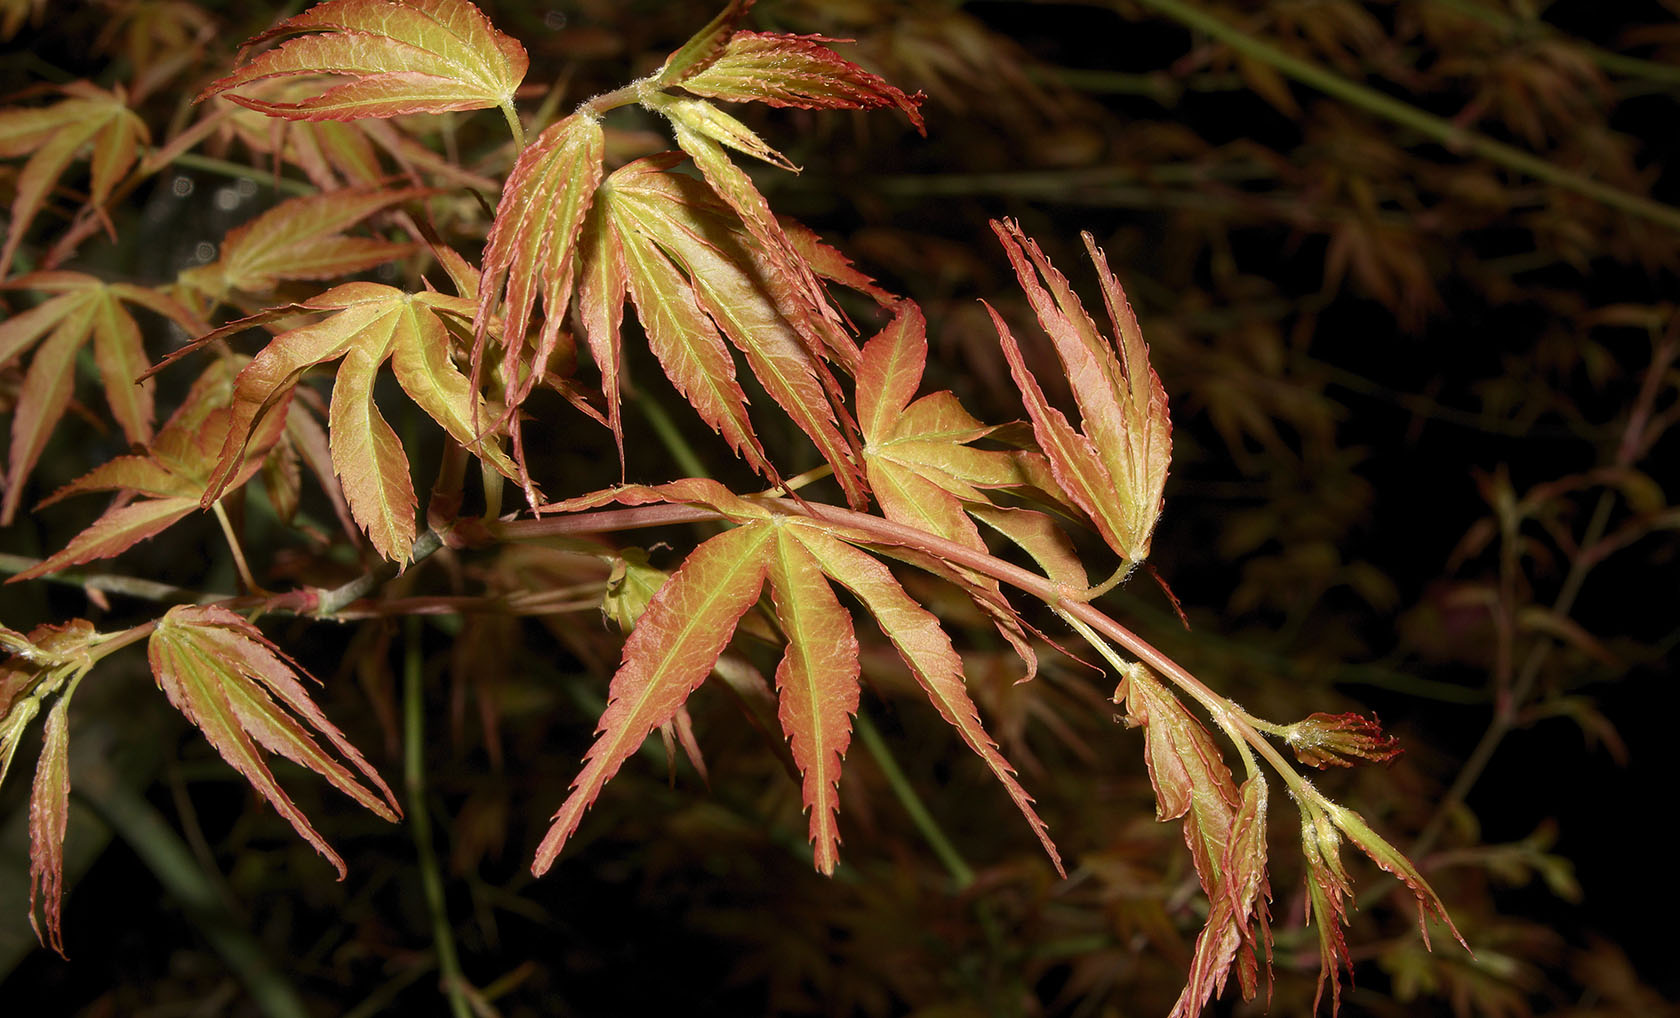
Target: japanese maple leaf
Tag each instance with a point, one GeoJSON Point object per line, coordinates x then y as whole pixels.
{"type": "Point", "coordinates": [1116, 468]}
{"type": "Point", "coordinates": [1224, 827]}
{"type": "Point", "coordinates": [301, 238]}
{"type": "Point", "coordinates": [243, 692]}
{"type": "Point", "coordinates": [367, 324]}
{"type": "Point", "coordinates": [49, 662]}
{"type": "Point", "coordinates": [83, 309]}
{"type": "Point", "coordinates": [419, 56]}
{"type": "Point", "coordinates": [689, 621]}
{"type": "Point", "coordinates": [167, 482]}
{"type": "Point", "coordinates": [52, 136]}
{"type": "Point", "coordinates": [922, 467]}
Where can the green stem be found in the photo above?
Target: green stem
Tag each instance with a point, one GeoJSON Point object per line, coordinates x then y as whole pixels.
{"type": "Point", "coordinates": [419, 820]}
{"type": "Point", "coordinates": [239, 171]}
{"type": "Point", "coordinates": [672, 437]}
{"type": "Point", "coordinates": [1439, 129]}
{"type": "Point", "coordinates": [512, 116]}
{"type": "Point", "coordinates": [962, 874]}
{"type": "Point", "coordinates": [1614, 63]}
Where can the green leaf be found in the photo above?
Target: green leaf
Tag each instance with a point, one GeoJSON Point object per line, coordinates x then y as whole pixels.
{"type": "Point", "coordinates": [704, 46]}
{"type": "Point", "coordinates": [227, 679]}
{"type": "Point", "coordinates": [419, 56]}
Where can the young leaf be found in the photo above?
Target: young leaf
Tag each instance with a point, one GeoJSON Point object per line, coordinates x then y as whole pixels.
{"type": "Point", "coordinates": [369, 324]}
{"type": "Point", "coordinates": [302, 238]}
{"type": "Point", "coordinates": [1116, 469]}
{"type": "Point", "coordinates": [704, 46]}
{"type": "Point", "coordinates": [420, 56]}
{"type": "Point", "coordinates": [84, 309]}
{"type": "Point", "coordinates": [659, 217]}
{"type": "Point", "coordinates": [52, 136]}
{"type": "Point", "coordinates": [1329, 740]}
{"type": "Point", "coordinates": [229, 680]}
{"type": "Point", "coordinates": [49, 813]}
{"type": "Point", "coordinates": [173, 473]}
{"type": "Point", "coordinates": [533, 243]}
{"type": "Point", "coordinates": [799, 71]}
{"type": "Point", "coordinates": [669, 653]}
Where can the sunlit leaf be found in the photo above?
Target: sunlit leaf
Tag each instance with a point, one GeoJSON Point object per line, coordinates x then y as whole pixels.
{"type": "Point", "coordinates": [49, 815]}
{"type": "Point", "coordinates": [242, 693]}
{"type": "Point", "coordinates": [419, 56]}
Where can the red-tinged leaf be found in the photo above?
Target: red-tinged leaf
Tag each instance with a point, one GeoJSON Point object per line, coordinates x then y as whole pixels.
{"type": "Point", "coordinates": [533, 243]}
{"type": "Point", "coordinates": [1187, 771]}
{"type": "Point", "coordinates": [1238, 919]}
{"type": "Point", "coordinates": [700, 491]}
{"type": "Point", "coordinates": [1328, 889]}
{"type": "Point", "coordinates": [817, 684]}
{"type": "Point", "coordinates": [679, 215]}
{"type": "Point", "coordinates": [704, 46]}
{"type": "Point", "coordinates": [369, 459]}
{"type": "Point", "coordinates": [113, 533]}
{"type": "Point", "coordinates": [1389, 858]}
{"type": "Point", "coordinates": [602, 290]}
{"type": "Point", "coordinates": [799, 71]}
{"type": "Point", "coordinates": [45, 394]}
{"type": "Point", "coordinates": [85, 307]}
{"type": "Point", "coordinates": [376, 322]}
{"type": "Point", "coordinates": [1329, 740]}
{"type": "Point", "coordinates": [922, 643]}
{"type": "Point", "coordinates": [687, 343]}
{"type": "Point", "coordinates": [302, 238]}
{"type": "Point", "coordinates": [225, 677]}
{"type": "Point", "coordinates": [1037, 535]}
{"type": "Point", "coordinates": [420, 56]}
{"type": "Point", "coordinates": [668, 655]}
{"type": "Point", "coordinates": [49, 814]}
{"type": "Point", "coordinates": [829, 263]}
{"type": "Point", "coordinates": [702, 118]}
{"type": "Point", "coordinates": [52, 136]}
{"type": "Point", "coordinates": [1119, 464]}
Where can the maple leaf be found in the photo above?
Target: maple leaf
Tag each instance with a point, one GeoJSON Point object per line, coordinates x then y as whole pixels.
{"type": "Point", "coordinates": [690, 619]}
{"type": "Point", "coordinates": [799, 71]}
{"type": "Point", "coordinates": [532, 247]}
{"type": "Point", "coordinates": [665, 242]}
{"type": "Point", "coordinates": [85, 308]}
{"type": "Point", "coordinates": [419, 56]}
{"type": "Point", "coordinates": [172, 474]}
{"type": "Point", "coordinates": [367, 324]}
{"type": "Point", "coordinates": [1328, 740]}
{"type": "Point", "coordinates": [301, 238]}
{"type": "Point", "coordinates": [1224, 828]}
{"type": "Point", "coordinates": [53, 135]}
{"type": "Point", "coordinates": [243, 692]}
{"type": "Point", "coordinates": [1116, 469]}
{"type": "Point", "coordinates": [49, 662]}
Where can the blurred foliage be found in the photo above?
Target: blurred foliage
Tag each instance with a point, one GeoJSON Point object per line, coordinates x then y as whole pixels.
{"type": "Point", "coordinates": [1421, 398]}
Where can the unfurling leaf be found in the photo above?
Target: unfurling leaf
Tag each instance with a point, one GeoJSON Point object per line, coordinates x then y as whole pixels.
{"type": "Point", "coordinates": [369, 324]}
{"type": "Point", "coordinates": [1116, 468]}
{"type": "Point", "coordinates": [1224, 827]}
{"type": "Point", "coordinates": [49, 814]}
{"type": "Point", "coordinates": [243, 693]}
{"type": "Point", "coordinates": [1323, 825]}
{"type": "Point", "coordinates": [84, 308]}
{"type": "Point", "coordinates": [1329, 740]}
{"type": "Point", "coordinates": [52, 135]}
{"type": "Point", "coordinates": [799, 71]}
{"type": "Point", "coordinates": [689, 621]}
{"type": "Point", "coordinates": [419, 56]}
